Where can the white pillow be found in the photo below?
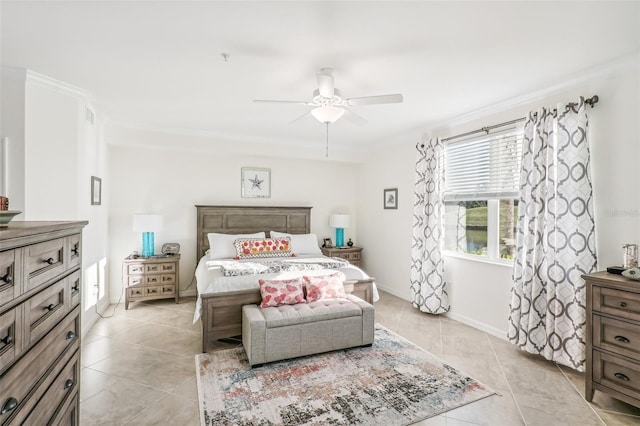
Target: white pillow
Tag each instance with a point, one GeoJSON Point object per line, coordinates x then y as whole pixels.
{"type": "Point", "coordinates": [300, 243]}
{"type": "Point", "coordinates": [221, 245]}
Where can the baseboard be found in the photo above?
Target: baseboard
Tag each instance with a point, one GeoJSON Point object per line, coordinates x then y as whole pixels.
{"type": "Point", "coordinates": [188, 293]}
{"type": "Point", "coordinates": [392, 292]}
{"type": "Point", "coordinates": [500, 334]}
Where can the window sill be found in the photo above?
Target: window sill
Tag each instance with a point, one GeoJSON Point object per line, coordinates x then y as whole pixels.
{"type": "Point", "coordinates": [476, 258]}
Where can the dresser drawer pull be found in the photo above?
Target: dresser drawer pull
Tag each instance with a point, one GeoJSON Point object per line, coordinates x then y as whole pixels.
{"type": "Point", "coordinates": [621, 376]}
{"type": "Point", "coordinates": [50, 307]}
{"type": "Point", "coordinates": [623, 304]}
{"type": "Point", "coordinates": [153, 290]}
{"type": "Point", "coordinates": [50, 261]}
{"type": "Point", "coordinates": [68, 384]}
{"type": "Point", "coordinates": [622, 339]}
{"type": "Point", "coordinates": [75, 250]}
{"type": "Point", "coordinates": [75, 287]}
{"type": "Point", "coordinates": [70, 336]}
{"type": "Point", "coordinates": [9, 405]}
{"type": "Point", "coordinates": [7, 339]}
{"type": "Point", "coordinates": [7, 278]}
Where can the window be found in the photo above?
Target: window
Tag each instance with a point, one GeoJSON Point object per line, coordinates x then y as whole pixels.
{"type": "Point", "coordinates": [481, 193]}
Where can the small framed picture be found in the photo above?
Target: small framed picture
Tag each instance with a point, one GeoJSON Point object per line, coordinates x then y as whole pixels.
{"type": "Point", "coordinates": [327, 243]}
{"type": "Point", "coordinates": [391, 198]}
{"type": "Point", "coordinates": [96, 191]}
{"type": "Point", "coordinates": [256, 182]}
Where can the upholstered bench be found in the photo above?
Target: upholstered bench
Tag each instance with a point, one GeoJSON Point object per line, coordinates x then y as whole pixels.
{"type": "Point", "coordinates": [288, 331]}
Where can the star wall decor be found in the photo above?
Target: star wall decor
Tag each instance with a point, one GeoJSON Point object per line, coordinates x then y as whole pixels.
{"type": "Point", "coordinates": [255, 182]}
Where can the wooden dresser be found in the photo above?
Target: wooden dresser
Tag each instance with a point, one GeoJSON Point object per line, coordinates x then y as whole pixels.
{"type": "Point", "coordinates": [352, 254]}
{"type": "Point", "coordinates": [149, 278]}
{"type": "Point", "coordinates": [40, 293]}
{"type": "Point", "coordinates": [613, 337]}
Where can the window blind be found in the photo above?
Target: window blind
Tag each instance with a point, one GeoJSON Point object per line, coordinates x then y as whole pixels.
{"type": "Point", "coordinates": [484, 167]}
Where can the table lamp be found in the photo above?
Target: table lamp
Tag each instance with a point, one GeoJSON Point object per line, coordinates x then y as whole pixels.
{"type": "Point", "coordinates": [339, 221]}
{"type": "Point", "coordinates": [147, 224]}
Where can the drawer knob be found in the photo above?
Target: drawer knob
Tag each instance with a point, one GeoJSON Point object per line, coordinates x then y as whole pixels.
{"type": "Point", "coordinates": [623, 304]}
{"type": "Point", "coordinates": [7, 278]}
{"type": "Point", "coordinates": [75, 287]}
{"type": "Point", "coordinates": [621, 376]}
{"type": "Point", "coordinates": [50, 307]}
{"type": "Point", "coordinates": [622, 339]}
{"type": "Point", "coordinates": [9, 405]}
{"type": "Point", "coordinates": [7, 339]}
{"type": "Point", "coordinates": [50, 261]}
{"type": "Point", "coordinates": [75, 250]}
{"type": "Point", "coordinates": [70, 335]}
{"type": "Point", "coordinates": [68, 384]}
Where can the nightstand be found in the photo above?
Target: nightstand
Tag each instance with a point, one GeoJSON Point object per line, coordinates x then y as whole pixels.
{"type": "Point", "coordinates": [149, 278]}
{"type": "Point", "coordinates": [352, 254]}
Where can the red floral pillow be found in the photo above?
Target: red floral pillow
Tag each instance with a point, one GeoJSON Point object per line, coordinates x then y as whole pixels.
{"type": "Point", "coordinates": [281, 292]}
{"type": "Point", "coordinates": [324, 287]}
{"type": "Point", "coordinates": [247, 248]}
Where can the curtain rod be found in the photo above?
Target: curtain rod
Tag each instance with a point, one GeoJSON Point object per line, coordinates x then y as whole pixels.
{"type": "Point", "coordinates": [589, 101]}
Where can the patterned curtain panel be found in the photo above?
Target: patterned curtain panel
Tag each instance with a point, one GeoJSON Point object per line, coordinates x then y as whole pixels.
{"type": "Point", "coordinates": [555, 237]}
{"type": "Point", "coordinates": [427, 279]}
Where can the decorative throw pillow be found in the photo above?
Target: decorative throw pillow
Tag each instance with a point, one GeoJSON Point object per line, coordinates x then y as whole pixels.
{"type": "Point", "coordinates": [247, 248]}
{"type": "Point", "coordinates": [324, 287]}
{"type": "Point", "coordinates": [221, 245]}
{"type": "Point", "coordinates": [281, 292]}
{"type": "Point", "coordinates": [300, 243]}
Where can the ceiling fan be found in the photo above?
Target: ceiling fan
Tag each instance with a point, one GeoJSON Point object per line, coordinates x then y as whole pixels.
{"type": "Point", "coordinates": [329, 103]}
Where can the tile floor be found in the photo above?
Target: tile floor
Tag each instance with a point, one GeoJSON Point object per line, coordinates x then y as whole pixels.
{"type": "Point", "coordinates": [138, 369]}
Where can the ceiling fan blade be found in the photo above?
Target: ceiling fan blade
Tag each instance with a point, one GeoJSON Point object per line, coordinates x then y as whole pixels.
{"type": "Point", "coordinates": [354, 118]}
{"type": "Point", "coordinates": [303, 115]}
{"type": "Point", "coordinates": [325, 83]}
{"type": "Point", "coordinates": [371, 100]}
{"type": "Point", "coordinates": [280, 102]}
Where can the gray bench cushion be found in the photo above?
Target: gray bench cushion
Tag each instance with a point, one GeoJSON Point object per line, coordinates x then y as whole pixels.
{"type": "Point", "coordinates": [302, 313]}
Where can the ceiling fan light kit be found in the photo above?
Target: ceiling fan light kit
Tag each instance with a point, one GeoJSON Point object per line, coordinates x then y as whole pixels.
{"type": "Point", "coordinates": [327, 113]}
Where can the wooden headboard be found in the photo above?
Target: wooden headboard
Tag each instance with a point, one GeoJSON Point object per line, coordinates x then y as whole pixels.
{"type": "Point", "coordinates": [248, 220]}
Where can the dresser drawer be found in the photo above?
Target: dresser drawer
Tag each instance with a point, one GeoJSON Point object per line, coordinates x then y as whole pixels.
{"type": "Point", "coordinates": [155, 290]}
{"type": "Point", "coordinates": [353, 256]}
{"type": "Point", "coordinates": [616, 302]}
{"type": "Point", "coordinates": [64, 386]}
{"type": "Point", "coordinates": [616, 336]}
{"type": "Point", "coordinates": [10, 336]}
{"type": "Point", "coordinates": [10, 275]}
{"type": "Point", "coordinates": [43, 310]}
{"type": "Point", "coordinates": [616, 373]}
{"type": "Point", "coordinates": [159, 268]}
{"type": "Point", "coordinates": [74, 246]}
{"type": "Point", "coordinates": [75, 287]}
{"type": "Point", "coordinates": [69, 414]}
{"type": "Point", "coordinates": [168, 289]}
{"type": "Point", "coordinates": [135, 268]}
{"type": "Point", "coordinates": [160, 279]}
{"type": "Point", "coordinates": [135, 292]}
{"type": "Point", "coordinates": [24, 374]}
{"type": "Point", "coordinates": [44, 261]}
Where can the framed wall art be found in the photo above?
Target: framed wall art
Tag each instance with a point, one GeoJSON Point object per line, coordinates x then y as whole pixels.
{"type": "Point", "coordinates": [96, 191]}
{"type": "Point", "coordinates": [391, 198]}
{"type": "Point", "coordinates": [255, 182]}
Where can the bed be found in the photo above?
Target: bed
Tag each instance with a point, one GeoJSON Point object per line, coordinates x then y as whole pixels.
{"type": "Point", "coordinates": [220, 310]}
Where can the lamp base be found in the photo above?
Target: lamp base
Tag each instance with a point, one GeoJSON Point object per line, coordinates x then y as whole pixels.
{"type": "Point", "coordinates": [339, 237]}
{"type": "Point", "coordinates": [148, 244]}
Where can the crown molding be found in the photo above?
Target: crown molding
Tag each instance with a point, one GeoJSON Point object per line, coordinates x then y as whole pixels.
{"type": "Point", "coordinates": [40, 80]}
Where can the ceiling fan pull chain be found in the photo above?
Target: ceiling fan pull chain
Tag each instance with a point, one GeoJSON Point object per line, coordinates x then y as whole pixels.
{"type": "Point", "coordinates": [327, 150]}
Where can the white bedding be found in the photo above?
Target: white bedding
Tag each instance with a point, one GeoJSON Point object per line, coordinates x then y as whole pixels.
{"type": "Point", "coordinates": [210, 279]}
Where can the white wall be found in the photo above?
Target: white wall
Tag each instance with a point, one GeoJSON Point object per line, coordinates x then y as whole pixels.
{"type": "Point", "coordinates": [480, 291]}
{"type": "Point", "coordinates": [171, 182]}
{"type": "Point", "coordinates": [12, 119]}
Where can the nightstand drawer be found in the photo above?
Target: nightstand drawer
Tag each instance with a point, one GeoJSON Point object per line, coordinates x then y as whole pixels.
{"type": "Point", "coordinates": [352, 256]}
{"type": "Point", "coordinates": [616, 302]}
{"type": "Point", "coordinates": [616, 336]}
{"type": "Point", "coordinates": [616, 373]}
{"type": "Point", "coordinates": [160, 279]}
{"type": "Point", "coordinates": [158, 268]}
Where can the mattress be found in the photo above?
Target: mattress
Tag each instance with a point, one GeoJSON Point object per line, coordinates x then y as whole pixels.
{"type": "Point", "coordinates": [210, 277]}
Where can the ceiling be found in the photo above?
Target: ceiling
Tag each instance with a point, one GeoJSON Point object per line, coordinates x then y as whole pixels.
{"type": "Point", "coordinates": [158, 65]}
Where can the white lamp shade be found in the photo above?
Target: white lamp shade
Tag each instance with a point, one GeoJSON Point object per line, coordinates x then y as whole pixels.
{"type": "Point", "coordinates": [147, 222]}
{"type": "Point", "coordinates": [327, 114]}
{"type": "Point", "coordinates": [339, 221]}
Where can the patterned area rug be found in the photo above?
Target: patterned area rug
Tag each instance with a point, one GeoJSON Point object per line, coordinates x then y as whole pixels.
{"type": "Point", "coordinates": [393, 382]}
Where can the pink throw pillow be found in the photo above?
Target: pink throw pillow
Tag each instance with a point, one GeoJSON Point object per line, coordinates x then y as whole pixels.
{"type": "Point", "coordinates": [281, 292]}
{"type": "Point", "coordinates": [324, 287]}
